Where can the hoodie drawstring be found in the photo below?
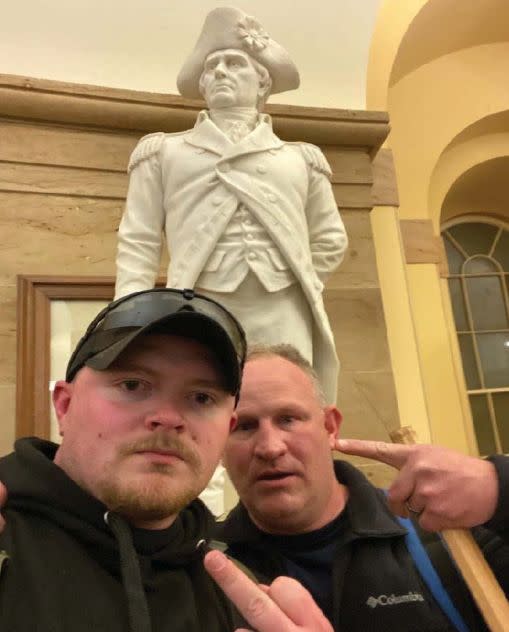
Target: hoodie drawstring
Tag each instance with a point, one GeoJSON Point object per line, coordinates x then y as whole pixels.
{"type": "Point", "coordinates": [137, 607]}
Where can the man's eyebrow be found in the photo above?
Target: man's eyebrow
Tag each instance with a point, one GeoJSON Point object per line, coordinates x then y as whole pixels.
{"type": "Point", "coordinates": [216, 383]}
{"type": "Point", "coordinates": [130, 366]}
{"type": "Point", "coordinates": [146, 368]}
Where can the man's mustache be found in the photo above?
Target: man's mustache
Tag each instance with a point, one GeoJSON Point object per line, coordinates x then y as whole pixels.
{"type": "Point", "coordinates": [163, 442]}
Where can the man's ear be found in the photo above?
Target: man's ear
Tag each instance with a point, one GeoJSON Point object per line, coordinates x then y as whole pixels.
{"type": "Point", "coordinates": [332, 422]}
{"type": "Point", "coordinates": [62, 395]}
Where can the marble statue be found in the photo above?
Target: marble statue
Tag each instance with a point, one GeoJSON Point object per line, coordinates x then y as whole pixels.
{"type": "Point", "coordinates": [249, 219]}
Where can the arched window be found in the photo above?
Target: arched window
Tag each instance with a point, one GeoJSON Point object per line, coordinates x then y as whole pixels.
{"type": "Point", "coordinates": [478, 257]}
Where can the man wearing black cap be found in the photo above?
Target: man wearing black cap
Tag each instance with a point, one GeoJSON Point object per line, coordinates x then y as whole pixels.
{"type": "Point", "coordinates": [102, 531]}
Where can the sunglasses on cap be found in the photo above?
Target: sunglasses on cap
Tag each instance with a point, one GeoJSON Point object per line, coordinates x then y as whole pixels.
{"type": "Point", "coordinates": [168, 311]}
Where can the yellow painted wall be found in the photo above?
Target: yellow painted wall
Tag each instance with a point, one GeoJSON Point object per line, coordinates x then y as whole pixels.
{"type": "Point", "coordinates": [440, 69]}
{"type": "Point", "coordinates": [438, 373]}
{"type": "Point", "coordinates": [458, 158]}
{"type": "Point", "coordinates": [394, 17]}
{"type": "Point", "coordinates": [430, 107]}
{"type": "Point", "coordinates": [398, 316]}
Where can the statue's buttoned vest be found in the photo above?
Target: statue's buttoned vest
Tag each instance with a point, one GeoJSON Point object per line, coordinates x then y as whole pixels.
{"type": "Point", "coordinates": [245, 246]}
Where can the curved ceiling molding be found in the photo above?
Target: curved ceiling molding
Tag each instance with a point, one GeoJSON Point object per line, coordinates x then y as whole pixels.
{"type": "Point", "coordinates": [493, 124]}
{"type": "Point", "coordinates": [480, 190]}
{"type": "Point", "coordinates": [482, 144]}
{"type": "Point", "coordinates": [393, 20]}
{"type": "Point", "coordinates": [409, 34]}
{"type": "Point", "coordinates": [446, 26]}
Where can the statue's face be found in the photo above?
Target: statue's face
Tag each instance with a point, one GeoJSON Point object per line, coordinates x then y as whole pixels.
{"type": "Point", "coordinates": [229, 79]}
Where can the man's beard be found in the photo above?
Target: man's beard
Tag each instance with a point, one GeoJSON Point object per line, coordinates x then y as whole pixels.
{"type": "Point", "coordinates": [163, 495]}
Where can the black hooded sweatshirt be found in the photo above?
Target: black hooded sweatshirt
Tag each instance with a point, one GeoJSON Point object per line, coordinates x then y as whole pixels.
{"type": "Point", "coordinates": [71, 568]}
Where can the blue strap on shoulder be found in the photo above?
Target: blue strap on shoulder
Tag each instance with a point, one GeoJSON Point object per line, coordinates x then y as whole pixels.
{"type": "Point", "coordinates": [430, 576]}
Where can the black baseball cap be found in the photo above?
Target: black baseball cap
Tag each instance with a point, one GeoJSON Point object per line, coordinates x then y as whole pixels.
{"type": "Point", "coordinates": [163, 310]}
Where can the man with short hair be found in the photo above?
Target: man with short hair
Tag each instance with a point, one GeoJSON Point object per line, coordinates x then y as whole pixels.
{"type": "Point", "coordinates": [320, 521]}
{"type": "Point", "coordinates": [103, 532]}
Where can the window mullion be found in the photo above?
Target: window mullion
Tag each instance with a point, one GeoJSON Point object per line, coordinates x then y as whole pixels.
{"type": "Point", "coordinates": [466, 298]}
{"type": "Point", "coordinates": [494, 426]}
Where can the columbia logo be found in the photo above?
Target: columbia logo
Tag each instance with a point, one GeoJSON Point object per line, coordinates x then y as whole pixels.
{"type": "Point", "coordinates": [393, 600]}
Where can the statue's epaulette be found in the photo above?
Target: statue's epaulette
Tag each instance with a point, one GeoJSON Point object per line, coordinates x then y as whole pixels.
{"type": "Point", "coordinates": [315, 159]}
{"type": "Point", "coordinates": [146, 147]}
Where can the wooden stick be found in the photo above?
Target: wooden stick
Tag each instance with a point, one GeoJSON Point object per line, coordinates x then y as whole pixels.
{"type": "Point", "coordinates": [478, 576]}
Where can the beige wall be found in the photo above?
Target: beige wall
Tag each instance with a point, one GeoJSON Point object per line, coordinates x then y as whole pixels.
{"type": "Point", "coordinates": [141, 44]}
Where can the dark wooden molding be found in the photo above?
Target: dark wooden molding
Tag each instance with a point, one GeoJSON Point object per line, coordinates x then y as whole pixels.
{"type": "Point", "coordinates": [94, 106]}
{"type": "Point", "coordinates": [35, 294]}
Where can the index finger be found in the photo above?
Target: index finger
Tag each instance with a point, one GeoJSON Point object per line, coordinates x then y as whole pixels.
{"type": "Point", "coordinates": [251, 601]}
{"type": "Point", "coordinates": [393, 454]}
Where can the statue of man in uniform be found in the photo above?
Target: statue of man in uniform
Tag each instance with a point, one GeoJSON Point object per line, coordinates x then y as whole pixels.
{"type": "Point", "coordinates": [249, 220]}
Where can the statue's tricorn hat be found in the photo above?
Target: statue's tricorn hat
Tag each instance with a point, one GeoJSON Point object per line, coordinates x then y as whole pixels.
{"type": "Point", "coordinates": [227, 27]}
